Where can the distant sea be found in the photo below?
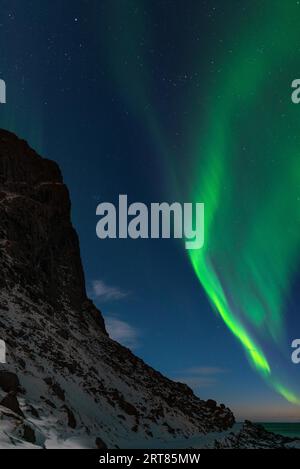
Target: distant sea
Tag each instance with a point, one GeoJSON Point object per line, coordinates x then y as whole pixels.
{"type": "Point", "coordinates": [285, 429]}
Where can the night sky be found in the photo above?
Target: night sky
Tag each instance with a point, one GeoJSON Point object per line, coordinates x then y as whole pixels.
{"type": "Point", "coordinates": [170, 100]}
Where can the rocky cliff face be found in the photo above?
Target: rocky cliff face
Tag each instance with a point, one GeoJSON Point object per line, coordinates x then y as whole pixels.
{"type": "Point", "coordinates": [66, 383]}
{"type": "Point", "coordinates": [39, 248]}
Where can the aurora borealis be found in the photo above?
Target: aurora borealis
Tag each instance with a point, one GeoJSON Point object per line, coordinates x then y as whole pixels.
{"type": "Point", "coordinates": [167, 100]}
{"type": "Point", "coordinates": [247, 172]}
{"type": "Point", "coordinates": [252, 223]}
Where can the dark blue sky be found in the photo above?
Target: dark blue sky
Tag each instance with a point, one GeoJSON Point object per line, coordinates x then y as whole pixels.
{"type": "Point", "coordinates": [102, 88]}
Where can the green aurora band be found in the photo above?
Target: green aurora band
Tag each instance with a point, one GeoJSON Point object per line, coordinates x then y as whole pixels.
{"type": "Point", "coordinates": [244, 164]}
{"type": "Point", "coordinates": [248, 175]}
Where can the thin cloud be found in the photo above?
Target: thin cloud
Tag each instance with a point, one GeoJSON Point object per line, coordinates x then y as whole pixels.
{"type": "Point", "coordinates": [122, 332]}
{"type": "Point", "coordinates": [196, 382]}
{"type": "Point", "coordinates": [200, 376]}
{"type": "Point", "coordinates": [104, 292]}
{"type": "Point", "coordinates": [205, 370]}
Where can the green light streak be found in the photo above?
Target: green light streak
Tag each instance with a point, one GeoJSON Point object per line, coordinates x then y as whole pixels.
{"type": "Point", "coordinates": [248, 175]}
{"type": "Point", "coordinates": [217, 297]}
{"type": "Point", "coordinates": [246, 168]}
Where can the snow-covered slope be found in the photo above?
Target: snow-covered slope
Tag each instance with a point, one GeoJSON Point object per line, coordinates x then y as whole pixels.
{"type": "Point", "coordinates": [66, 383]}
{"type": "Point", "coordinates": [73, 384]}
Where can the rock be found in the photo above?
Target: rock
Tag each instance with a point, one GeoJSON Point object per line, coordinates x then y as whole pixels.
{"type": "Point", "coordinates": [55, 387]}
{"type": "Point", "coordinates": [58, 391]}
{"type": "Point", "coordinates": [254, 436]}
{"type": "Point", "coordinates": [33, 411]}
{"type": "Point", "coordinates": [56, 337]}
{"type": "Point", "coordinates": [100, 444]}
{"type": "Point", "coordinates": [29, 434]}
{"type": "Point", "coordinates": [9, 381]}
{"type": "Point", "coordinates": [50, 403]}
{"type": "Point", "coordinates": [211, 404]}
{"type": "Point", "coordinates": [10, 401]}
{"type": "Point", "coordinates": [36, 226]}
{"type": "Point", "coordinates": [71, 417]}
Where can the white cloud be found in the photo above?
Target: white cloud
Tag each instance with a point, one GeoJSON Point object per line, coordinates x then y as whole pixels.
{"type": "Point", "coordinates": [101, 290]}
{"type": "Point", "coordinates": [122, 332]}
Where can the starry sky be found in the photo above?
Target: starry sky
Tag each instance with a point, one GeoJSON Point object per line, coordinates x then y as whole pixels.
{"type": "Point", "coordinates": [167, 100]}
